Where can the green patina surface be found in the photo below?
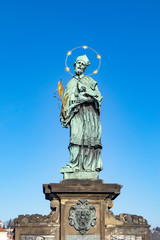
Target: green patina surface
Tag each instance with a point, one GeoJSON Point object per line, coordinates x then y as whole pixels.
{"type": "Point", "coordinates": [82, 116]}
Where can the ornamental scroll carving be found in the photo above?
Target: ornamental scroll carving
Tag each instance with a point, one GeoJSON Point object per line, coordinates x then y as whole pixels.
{"type": "Point", "coordinates": [82, 216]}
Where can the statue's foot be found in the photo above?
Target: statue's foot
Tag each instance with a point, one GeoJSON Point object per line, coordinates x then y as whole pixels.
{"type": "Point", "coordinates": [67, 169]}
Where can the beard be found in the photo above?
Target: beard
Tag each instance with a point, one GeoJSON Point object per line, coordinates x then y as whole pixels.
{"type": "Point", "coordinates": [78, 71]}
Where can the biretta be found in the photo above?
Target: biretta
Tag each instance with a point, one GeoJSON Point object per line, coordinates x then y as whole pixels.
{"type": "Point", "coordinates": [83, 58]}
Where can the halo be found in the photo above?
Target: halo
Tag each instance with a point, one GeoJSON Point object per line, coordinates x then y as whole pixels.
{"type": "Point", "coordinates": [84, 47]}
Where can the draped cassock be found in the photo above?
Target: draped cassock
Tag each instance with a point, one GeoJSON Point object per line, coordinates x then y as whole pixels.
{"type": "Point", "coordinates": [82, 116]}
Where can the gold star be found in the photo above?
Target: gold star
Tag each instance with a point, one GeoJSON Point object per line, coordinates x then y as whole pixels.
{"type": "Point", "coordinates": [98, 56]}
{"type": "Point", "coordinates": [69, 53]}
{"type": "Point", "coordinates": [67, 69]}
{"type": "Point", "coordinates": [85, 47]}
{"type": "Point", "coordinates": [95, 71]}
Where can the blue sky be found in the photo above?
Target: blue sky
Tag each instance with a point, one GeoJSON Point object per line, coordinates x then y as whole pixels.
{"type": "Point", "coordinates": [34, 39]}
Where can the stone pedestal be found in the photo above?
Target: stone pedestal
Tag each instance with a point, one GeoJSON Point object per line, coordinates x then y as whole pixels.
{"type": "Point", "coordinates": [80, 210]}
{"type": "Point", "coordinates": [83, 206]}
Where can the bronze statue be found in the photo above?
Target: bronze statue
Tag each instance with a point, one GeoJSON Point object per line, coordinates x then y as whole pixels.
{"type": "Point", "coordinates": [81, 113]}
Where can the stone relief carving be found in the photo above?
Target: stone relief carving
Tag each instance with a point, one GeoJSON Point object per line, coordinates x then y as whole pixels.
{"type": "Point", "coordinates": [132, 219]}
{"type": "Point", "coordinates": [122, 218]}
{"type": "Point", "coordinates": [82, 216]}
{"type": "Point", "coordinates": [38, 218]}
{"type": "Point", "coordinates": [34, 237]}
{"type": "Point", "coordinates": [125, 237]}
{"type": "Point", "coordinates": [83, 237]}
{"type": "Point", "coordinates": [111, 219]}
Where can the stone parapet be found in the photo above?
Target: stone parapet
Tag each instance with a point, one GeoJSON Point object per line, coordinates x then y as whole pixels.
{"type": "Point", "coordinates": [126, 226]}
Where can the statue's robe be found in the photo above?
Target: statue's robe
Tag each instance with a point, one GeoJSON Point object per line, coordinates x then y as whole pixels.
{"type": "Point", "coordinates": [82, 116]}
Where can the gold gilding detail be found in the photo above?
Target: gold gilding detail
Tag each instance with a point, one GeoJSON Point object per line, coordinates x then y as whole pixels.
{"type": "Point", "coordinates": [69, 53]}
{"type": "Point", "coordinates": [63, 99]}
{"type": "Point", "coordinates": [98, 56]}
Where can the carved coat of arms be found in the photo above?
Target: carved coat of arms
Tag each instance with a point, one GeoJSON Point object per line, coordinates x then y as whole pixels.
{"type": "Point", "coordinates": [82, 216]}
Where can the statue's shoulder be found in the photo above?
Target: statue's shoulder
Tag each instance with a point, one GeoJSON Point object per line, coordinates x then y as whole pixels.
{"type": "Point", "coordinates": [71, 83]}
{"type": "Point", "coordinates": [91, 82]}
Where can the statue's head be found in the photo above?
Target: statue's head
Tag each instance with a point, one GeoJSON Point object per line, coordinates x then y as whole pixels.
{"type": "Point", "coordinates": [82, 62]}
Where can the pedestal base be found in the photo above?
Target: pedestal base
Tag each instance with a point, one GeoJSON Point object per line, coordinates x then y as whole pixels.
{"type": "Point", "coordinates": [82, 207]}
{"type": "Point", "coordinates": [81, 175]}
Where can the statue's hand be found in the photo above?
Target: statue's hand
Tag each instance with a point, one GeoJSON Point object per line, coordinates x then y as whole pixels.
{"type": "Point", "coordinates": [72, 109]}
{"type": "Point", "coordinates": [82, 89]}
{"type": "Point", "coordinates": [83, 97]}
{"type": "Point", "coordinates": [63, 121]}
{"type": "Point", "coordinates": [64, 124]}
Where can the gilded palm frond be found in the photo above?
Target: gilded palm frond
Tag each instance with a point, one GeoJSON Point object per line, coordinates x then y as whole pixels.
{"type": "Point", "coordinates": [60, 89]}
{"type": "Point", "coordinates": [63, 99]}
